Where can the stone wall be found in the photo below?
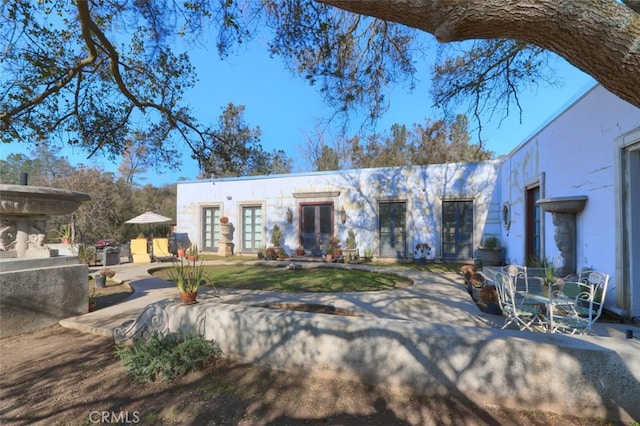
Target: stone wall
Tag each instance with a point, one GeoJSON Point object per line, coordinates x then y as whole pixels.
{"type": "Point", "coordinates": [585, 376]}
{"type": "Point", "coordinates": [37, 293]}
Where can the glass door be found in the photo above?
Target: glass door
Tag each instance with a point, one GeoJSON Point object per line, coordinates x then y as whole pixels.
{"type": "Point", "coordinates": [210, 228]}
{"type": "Point", "coordinates": [532, 236]}
{"type": "Point", "coordinates": [457, 229]}
{"type": "Point", "coordinates": [392, 229]}
{"type": "Point", "coordinates": [252, 233]}
{"type": "Point", "coordinates": [316, 226]}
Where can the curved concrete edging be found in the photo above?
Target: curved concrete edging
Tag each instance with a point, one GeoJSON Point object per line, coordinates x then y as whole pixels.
{"type": "Point", "coordinates": [429, 339]}
{"type": "Point", "coordinates": [563, 374]}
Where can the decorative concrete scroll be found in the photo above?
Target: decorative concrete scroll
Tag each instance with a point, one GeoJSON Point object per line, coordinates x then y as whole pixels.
{"type": "Point", "coordinates": [152, 320]}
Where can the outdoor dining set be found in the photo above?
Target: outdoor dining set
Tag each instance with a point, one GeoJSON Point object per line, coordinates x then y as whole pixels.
{"type": "Point", "coordinates": [564, 307]}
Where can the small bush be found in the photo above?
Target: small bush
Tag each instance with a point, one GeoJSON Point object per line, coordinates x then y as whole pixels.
{"type": "Point", "coordinates": [167, 357]}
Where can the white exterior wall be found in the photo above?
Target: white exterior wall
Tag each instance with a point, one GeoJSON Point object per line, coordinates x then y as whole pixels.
{"type": "Point", "coordinates": [583, 151]}
{"type": "Point", "coordinates": [574, 155]}
{"type": "Point", "coordinates": [358, 192]}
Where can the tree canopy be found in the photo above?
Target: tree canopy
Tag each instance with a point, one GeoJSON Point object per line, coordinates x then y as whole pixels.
{"type": "Point", "coordinates": [92, 72]}
{"type": "Point", "coordinates": [234, 149]}
{"type": "Point", "coordinates": [431, 142]}
{"type": "Point", "coordinates": [114, 200]}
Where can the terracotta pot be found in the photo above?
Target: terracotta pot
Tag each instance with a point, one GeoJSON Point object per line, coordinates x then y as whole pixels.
{"type": "Point", "coordinates": [192, 258]}
{"type": "Point", "coordinates": [188, 298]}
{"type": "Point", "coordinates": [329, 257]}
{"type": "Point", "coordinates": [181, 253]}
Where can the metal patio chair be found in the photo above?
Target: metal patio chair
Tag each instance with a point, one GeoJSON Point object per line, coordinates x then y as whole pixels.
{"type": "Point", "coordinates": [524, 316]}
{"type": "Point", "coordinates": [584, 304]}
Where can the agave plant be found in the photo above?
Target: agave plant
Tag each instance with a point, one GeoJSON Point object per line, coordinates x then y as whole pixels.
{"type": "Point", "coordinates": [187, 276]}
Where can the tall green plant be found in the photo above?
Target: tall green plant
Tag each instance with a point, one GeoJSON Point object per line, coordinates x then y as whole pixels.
{"type": "Point", "coordinates": [276, 236]}
{"type": "Point", "coordinates": [187, 276]}
{"type": "Point", "coordinates": [351, 239]}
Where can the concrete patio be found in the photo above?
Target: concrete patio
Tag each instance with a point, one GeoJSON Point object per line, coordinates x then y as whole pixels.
{"type": "Point", "coordinates": [429, 338]}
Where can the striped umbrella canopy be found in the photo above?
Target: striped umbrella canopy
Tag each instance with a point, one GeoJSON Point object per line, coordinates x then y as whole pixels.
{"type": "Point", "coordinates": [149, 218]}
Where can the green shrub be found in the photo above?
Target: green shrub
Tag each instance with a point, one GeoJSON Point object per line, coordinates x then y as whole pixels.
{"type": "Point", "coordinates": [167, 357]}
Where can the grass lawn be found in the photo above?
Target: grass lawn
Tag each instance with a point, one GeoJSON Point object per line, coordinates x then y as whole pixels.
{"type": "Point", "coordinates": [315, 280]}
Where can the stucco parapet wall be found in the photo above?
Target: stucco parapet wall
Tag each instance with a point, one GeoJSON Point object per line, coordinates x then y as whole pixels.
{"type": "Point", "coordinates": [583, 375]}
{"type": "Point", "coordinates": [411, 169]}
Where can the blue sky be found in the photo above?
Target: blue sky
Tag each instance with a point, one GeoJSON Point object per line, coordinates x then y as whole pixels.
{"type": "Point", "coordinates": [287, 109]}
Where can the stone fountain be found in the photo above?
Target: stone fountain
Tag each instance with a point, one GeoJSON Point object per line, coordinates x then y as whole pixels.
{"type": "Point", "coordinates": [38, 287]}
{"type": "Point", "coordinates": [563, 212]}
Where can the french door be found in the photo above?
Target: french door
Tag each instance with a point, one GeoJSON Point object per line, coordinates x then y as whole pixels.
{"type": "Point", "coordinates": [316, 226]}
{"type": "Point", "coordinates": [532, 223]}
{"type": "Point", "coordinates": [457, 229]}
{"type": "Point", "coordinates": [210, 228]}
{"type": "Point", "coordinates": [393, 229]}
{"type": "Point", "coordinates": [252, 234]}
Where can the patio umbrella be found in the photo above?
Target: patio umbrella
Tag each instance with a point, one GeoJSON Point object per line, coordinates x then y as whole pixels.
{"type": "Point", "coordinates": [149, 218]}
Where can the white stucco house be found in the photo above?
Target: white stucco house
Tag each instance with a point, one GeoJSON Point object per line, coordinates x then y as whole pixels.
{"type": "Point", "coordinates": [587, 155]}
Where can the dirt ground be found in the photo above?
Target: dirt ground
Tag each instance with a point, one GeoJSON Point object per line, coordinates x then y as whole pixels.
{"type": "Point", "coordinates": [58, 376]}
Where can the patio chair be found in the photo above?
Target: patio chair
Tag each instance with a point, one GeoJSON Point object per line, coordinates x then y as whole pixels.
{"type": "Point", "coordinates": [161, 250]}
{"type": "Point", "coordinates": [517, 272]}
{"type": "Point", "coordinates": [584, 304]}
{"type": "Point", "coordinates": [139, 252]}
{"type": "Point", "coordinates": [524, 316]}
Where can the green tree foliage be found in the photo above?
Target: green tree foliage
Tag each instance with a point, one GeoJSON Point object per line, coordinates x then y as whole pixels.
{"type": "Point", "coordinates": [42, 165]}
{"type": "Point", "coordinates": [89, 73]}
{"type": "Point", "coordinates": [327, 160]}
{"type": "Point", "coordinates": [14, 165]}
{"type": "Point", "coordinates": [113, 200]}
{"type": "Point", "coordinates": [234, 149]}
{"type": "Point", "coordinates": [104, 215]}
{"type": "Point", "coordinates": [434, 142]}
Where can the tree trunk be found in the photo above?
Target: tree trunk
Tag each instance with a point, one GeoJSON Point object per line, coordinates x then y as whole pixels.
{"type": "Point", "coordinates": [600, 37]}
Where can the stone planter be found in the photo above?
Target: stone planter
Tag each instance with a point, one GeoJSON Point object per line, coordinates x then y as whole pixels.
{"type": "Point", "coordinates": [490, 256]}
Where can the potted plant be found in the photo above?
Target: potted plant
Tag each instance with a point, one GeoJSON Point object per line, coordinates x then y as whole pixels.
{"type": "Point", "coordinates": [368, 254]}
{"type": "Point", "coordinates": [187, 278]}
{"type": "Point", "coordinates": [86, 254]}
{"type": "Point", "coordinates": [351, 249]}
{"type": "Point", "coordinates": [103, 274]}
{"type": "Point", "coordinates": [489, 296]}
{"type": "Point", "coordinates": [64, 234]}
{"type": "Point", "coordinates": [92, 300]}
{"type": "Point", "coordinates": [300, 251]}
{"type": "Point", "coordinates": [270, 254]}
{"type": "Point", "coordinates": [276, 236]}
{"type": "Point", "coordinates": [280, 254]}
{"type": "Point", "coordinates": [490, 252]}
{"type": "Point", "coordinates": [551, 281]}
{"type": "Point", "coordinates": [467, 272]}
{"type": "Point", "coordinates": [181, 251]}
{"type": "Point", "coordinates": [475, 284]}
{"type": "Point", "coordinates": [192, 253]}
{"type": "Point", "coordinates": [332, 248]}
